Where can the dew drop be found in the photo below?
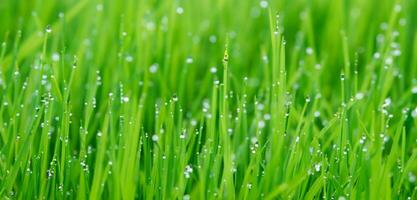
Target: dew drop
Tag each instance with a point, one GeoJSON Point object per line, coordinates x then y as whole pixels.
{"type": "Point", "coordinates": [263, 4]}
{"type": "Point", "coordinates": [213, 70]}
{"type": "Point", "coordinates": [48, 29]}
{"type": "Point", "coordinates": [180, 10]}
{"type": "Point", "coordinates": [342, 77]}
{"type": "Point", "coordinates": [153, 68]}
{"type": "Point", "coordinates": [309, 51]}
{"type": "Point", "coordinates": [55, 57]}
{"type": "Point", "coordinates": [155, 138]}
{"type": "Point", "coordinates": [414, 90]}
{"type": "Point", "coordinates": [175, 97]}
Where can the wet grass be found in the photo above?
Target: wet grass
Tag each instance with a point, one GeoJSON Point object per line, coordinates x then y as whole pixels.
{"type": "Point", "coordinates": [208, 99]}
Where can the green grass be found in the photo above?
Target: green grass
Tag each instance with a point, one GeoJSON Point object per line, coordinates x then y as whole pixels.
{"type": "Point", "coordinates": [208, 99]}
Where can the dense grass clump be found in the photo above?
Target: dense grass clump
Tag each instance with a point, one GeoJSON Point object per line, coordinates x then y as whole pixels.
{"type": "Point", "coordinates": [208, 99]}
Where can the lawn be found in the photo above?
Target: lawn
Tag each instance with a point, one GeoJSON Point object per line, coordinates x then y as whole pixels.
{"type": "Point", "coordinates": [208, 99]}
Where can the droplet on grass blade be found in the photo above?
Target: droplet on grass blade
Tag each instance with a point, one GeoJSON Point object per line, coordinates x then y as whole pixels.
{"type": "Point", "coordinates": [389, 61]}
{"type": "Point", "coordinates": [99, 7]}
{"type": "Point", "coordinates": [411, 177]}
{"type": "Point", "coordinates": [187, 172]}
{"type": "Point", "coordinates": [276, 32]}
{"type": "Point", "coordinates": [186, 197]}
{"type": "Point", "coordinates": [48, 29]}
{"type": "Point", "coordinates": [213, 70]}
{"type": "Point", "coordinates": [397, 8]}
{"type": "Point", "coordinates": [175, 97]}
{"type": "Point", "coordinates": [261, 124]}
{"type": "Point", "coordinates": [55, 57]}
{"type": "Point", "coordinates": [125, 99]}
{"type": "Point", "coordinates": [189, 60]}
{"type": "Point", "coordinates": [317, 167]}
{"type": "Point", "coordinates": [249, 185]}
{"type": "Point", "coordinates": [341, 198]}
{"type": "Point", "coordinates": [180, 10]}
{"type": "Point", "coordinates": [359, 96]}
{"type": "Point", "coordinates": [153, 68]}
{"type": "Point", "coordinates": [396, 52]}
{"type": "Point", "coordinates": [377, 55]}
{"type": "Point", "coordinates": [414, 113]}
{"type": "Point", "coordinates": [155, 138]}
{"type": "Point", "coordinates": [342, 77]}
{"type": "Point", "coordinates": [213, 39]}
{"type": "Point", "coordinates": [129, 58]}
{"type": "Point", "coordinates": [414, 90]}
{"type": "Point", "coordinates": [263, 4]}
{"type": "Point", "coordinates": [309, 51]}
{"type": "Point", "coordinates": [403, 22]}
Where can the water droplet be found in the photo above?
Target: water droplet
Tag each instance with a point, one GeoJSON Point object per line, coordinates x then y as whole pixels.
{"type": "Point", "coordinates": [155, 138]}
{"type": "Point", "coordinates": [341, 198]}
{"type": "Point", "coordinates": [125, 99]}
{"type": "Point", "coordinates": [175, 97]}
{"type": "Point", "coordinates": [187, 172]}
{"type": "Point", "coordinates": [411, 177]}
{"type": "Point", "coordinates": [263, 4]}
{"type": "Point", "coordinates": [213, 70]}
{"type": "Point", "coordinates": [249, 185]}
{"type": "Point", "coordinates": [309, 51]}
{"type": "Point", "coordinates": [189, 60]}
{"type": "Point", "coordinates": [55, 57]}
{"type": "Point", "coordinates": [397, 8]}
{"type": "Point", "coordinates": [99, 7]}
{"type": "Point", "coordinates": [396, 52]}
{"type": "Point", "coordinates": [359, 95]}
{"type": "Point", "coordinates": [213, 39]}
{"type": "Point", "coordinates": [186, 197]}
{"type": "Point", "coordinates": [153, 68]}
{"type": "Point", "coordinates": [387, 102]}
{"type": "Point", "coordinates": [261, 124]}
{"type": "Point", "coordinates": [342, 77]}
{"type": "Point", "coordinates": [48, 29]}
{"type": "Point", "coordinates": [129, 58]}
{"type": "Point", "coordinates": [180, 10]}
{"type": "Point", "coordinates": [403, 22]}
{"type": "Point", "coordinates": [389, 61]}
{"type": "Point", "coordinates": [377, 55]}
{"type": "Point", "coordinates": [317, 167]}
{"type": "Point", "coordinates": [414, 90]}
{"type": "Point", "coordinates": [414, 113]}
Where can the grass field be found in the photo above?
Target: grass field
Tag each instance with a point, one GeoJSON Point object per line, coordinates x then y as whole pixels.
{"type": "Point", "coordinates": [208, 99]}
